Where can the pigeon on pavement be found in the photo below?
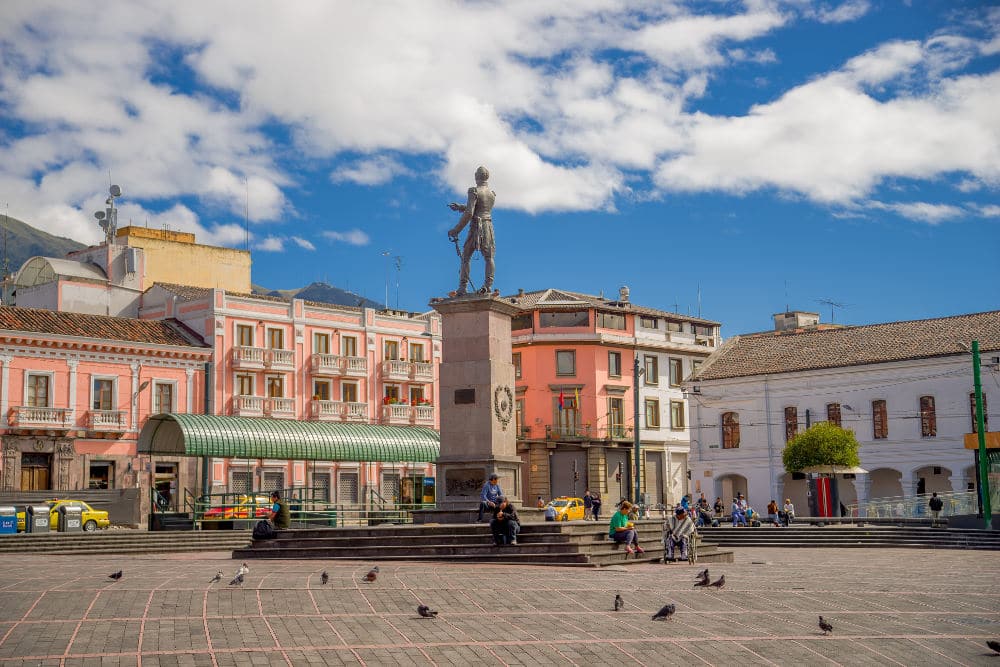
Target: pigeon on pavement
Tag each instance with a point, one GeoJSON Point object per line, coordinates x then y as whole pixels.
{"type": "Point", "coordinates": [237, 580]}
{"type": "Point", "coordinates": [824, 626]}
{"type": "Point", "coordinates": [703, 574]}
{"type": "Point", "coordinates": [243, 569]}
{"type": "Point", "coordinates": [324, 578]}
{"type": "Point", "coordinates": [216, 578]}
{"type": "Point", "coordinates": [116, 576]}
{"type": "Point", "coordinates": [720, 583]}
{"type": "Point", "coordinates": [619, 603]}
{"type": "Point", "coordinates": [426, 611]}
{"type": "Point", "coordinates": [994, 644]}
{"type": "Point", "coordinates": [372, 574]}
{"type": "Point", "coordinates": [666, 612]}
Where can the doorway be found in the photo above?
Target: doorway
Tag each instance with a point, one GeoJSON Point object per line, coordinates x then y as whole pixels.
{"type": "Point", "coordinates": [35, 471]}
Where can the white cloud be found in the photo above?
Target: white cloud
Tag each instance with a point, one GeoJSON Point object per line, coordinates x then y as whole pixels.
{"type": "Point", "coordinates": [303, 243]}
{"type": "Point", "coordinates": [988, 210]}
{"type": "Point", "coordinates": [351, 237]}
{"type": "Point", "coordinates": [271, 244]}
{"type": "Point", "coordinates": [932, 214]}
{"type": "Point", "coordinates": [370, 171]}
{"type": "Point", "coordinates": [851, 10]}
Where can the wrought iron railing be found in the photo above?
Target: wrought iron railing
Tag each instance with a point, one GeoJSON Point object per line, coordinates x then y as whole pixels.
{"type": "Point", "coordinates": [915, 507]}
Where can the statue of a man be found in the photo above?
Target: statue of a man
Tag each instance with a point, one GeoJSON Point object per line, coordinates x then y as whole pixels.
{"type": "Point", "coordinates": [478, 210]}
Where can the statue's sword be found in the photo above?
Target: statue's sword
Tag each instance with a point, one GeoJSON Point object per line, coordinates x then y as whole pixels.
{"type": "Point", "coordinates": [458, 251]}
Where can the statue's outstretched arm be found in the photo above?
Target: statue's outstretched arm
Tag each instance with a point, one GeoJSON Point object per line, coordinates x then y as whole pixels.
{"type": "Point", "coordinates": [466, 213]}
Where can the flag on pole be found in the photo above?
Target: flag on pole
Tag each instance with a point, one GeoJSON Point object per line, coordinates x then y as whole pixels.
{"type": "Point", "coordinates": [576, 403]}
{"type": "Point", "coordinates": [562, 400]}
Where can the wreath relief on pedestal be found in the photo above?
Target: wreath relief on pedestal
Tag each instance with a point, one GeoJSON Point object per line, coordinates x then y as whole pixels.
{"type": "Point", "coordinates": [503, 405]}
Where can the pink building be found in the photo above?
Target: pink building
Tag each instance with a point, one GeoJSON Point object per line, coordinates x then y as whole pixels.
{"type": "Point", "coordinates": [75, 390]}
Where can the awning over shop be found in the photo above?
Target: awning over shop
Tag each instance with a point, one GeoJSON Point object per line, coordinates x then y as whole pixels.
{"type": "Point", "coordinates": [256, 438]}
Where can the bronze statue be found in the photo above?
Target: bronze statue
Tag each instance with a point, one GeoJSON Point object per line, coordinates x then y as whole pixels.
{"type": "Point", "coordinates": [478, 210]}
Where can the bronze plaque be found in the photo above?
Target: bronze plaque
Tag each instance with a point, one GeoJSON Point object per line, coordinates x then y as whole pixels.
{"type": "Point", "coordinates": [465, 396]}
{"type": "Point", "coordinates": [464, 482]}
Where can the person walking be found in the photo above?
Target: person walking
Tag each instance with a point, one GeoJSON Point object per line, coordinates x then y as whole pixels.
{"type": "Point", "coordinates": [936, 506]}
{"type": "Point", "coordinates": [588, 505]}
{"type": "Point", "coordinates": [595, 507]}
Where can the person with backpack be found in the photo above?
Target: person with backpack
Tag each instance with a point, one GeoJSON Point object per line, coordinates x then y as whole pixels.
{"type": "Point", "coordinates": [936, 506]}
{"type": "Point", "coordinates": [281, 516]}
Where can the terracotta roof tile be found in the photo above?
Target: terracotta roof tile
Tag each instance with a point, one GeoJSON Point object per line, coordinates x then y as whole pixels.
{"type": "Point", "coordinates": [157, 332]}
{"type": "Point", "coordinates": [788, 352]}
{"type": "Point", "coordinates": [553, 299]}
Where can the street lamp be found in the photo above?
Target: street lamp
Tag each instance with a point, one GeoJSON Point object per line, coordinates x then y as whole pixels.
{"type": "Point", "coordinates": [982, 462]}
{"type": "Point", "coordinates": [636, 374]}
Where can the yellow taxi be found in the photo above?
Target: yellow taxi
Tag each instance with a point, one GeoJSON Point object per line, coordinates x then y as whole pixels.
{"type": "Point", "coordinates": [567, 509]}
{"type": "Point", "coordinates": [92, 519]}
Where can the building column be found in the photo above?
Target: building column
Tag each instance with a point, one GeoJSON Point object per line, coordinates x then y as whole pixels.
{"type": "Point", "coordinates": [72, 363]}
{"type": "Point", "coordinates": [863, 486]}
{"type": "Point", "coordinates": [909, 484]}
{"type": "Point", "coordinates": [959, 483]}
{"type": "Point", "coordinates": [190, 390]}
{"type": "Point", "coordinates": [134, 403]}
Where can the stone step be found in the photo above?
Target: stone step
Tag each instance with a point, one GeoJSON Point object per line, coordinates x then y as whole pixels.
{"type": "Point", "coordinates": [122, 542]}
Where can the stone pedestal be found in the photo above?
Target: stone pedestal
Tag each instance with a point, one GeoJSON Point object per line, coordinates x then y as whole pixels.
{"type": "Point", "coordinates": [477, 403]}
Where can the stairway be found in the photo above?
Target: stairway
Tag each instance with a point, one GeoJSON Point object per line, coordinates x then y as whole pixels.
{"type": "Point", "coordinates": [854, 536]}
{"type": "Point", "coordinates": [123, 542]}
{"type": "Point", "coordinates": [579, 543]}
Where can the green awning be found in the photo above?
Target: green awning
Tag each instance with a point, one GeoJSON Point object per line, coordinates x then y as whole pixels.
{"type": "Point", "coordinates": [257, 438]}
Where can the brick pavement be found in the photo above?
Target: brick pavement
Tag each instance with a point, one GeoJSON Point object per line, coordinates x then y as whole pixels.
{"type": "Point", "coordinates": [888, 607]}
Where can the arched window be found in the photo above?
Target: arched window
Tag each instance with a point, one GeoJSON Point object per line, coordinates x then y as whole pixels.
{"type": "Point", "coordinates": [730, 430]}
{"type": "Point", "coordinates": [928, 417]}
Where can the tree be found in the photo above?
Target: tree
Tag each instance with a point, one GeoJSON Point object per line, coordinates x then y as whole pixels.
{"type": "Point", "coordinates": [821, 445]}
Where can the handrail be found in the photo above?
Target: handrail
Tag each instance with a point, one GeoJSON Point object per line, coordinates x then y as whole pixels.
{"type": "Point", "coordinates": [916, 506]}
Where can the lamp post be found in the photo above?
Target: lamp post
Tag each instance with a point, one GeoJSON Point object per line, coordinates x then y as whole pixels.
{"type": "Point", "coordinates": [636, 373]}
{"type": "Point", "coordinates": [983, 469]}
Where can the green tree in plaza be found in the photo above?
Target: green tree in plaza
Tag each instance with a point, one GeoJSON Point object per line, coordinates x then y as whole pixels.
{"type": "Point", "coordinates": [821, 445]}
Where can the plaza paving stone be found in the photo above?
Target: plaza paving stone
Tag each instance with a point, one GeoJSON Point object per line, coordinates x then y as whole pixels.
{"type": "Point", "coordinates": [888, 607]}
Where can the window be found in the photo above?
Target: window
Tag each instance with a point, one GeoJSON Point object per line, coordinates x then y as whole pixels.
{"type": "Point", "coordinates": [516, 360]}
{"type": "Point", "coordinates": [702, 329]}
{"type": "Point", "coordinates": [649, 322]}
{"type": "Point", "coordinates": [390, 393]}
{"type": "Point", "coordinates": [833, 413]}
{"type": "Point", "coordinates": [102, 475]}
{"type": "Point", "coordinates": [244, 385]}
{"type": "Point", "coordinates": [275, 386]}
{"type": "Point", "coordinates": [349, 392]}
{"type": "Point", "coordinates": [615, 364]}
{"type": "Point", "coordinates": [730, 430]}
{"type": "Point", "coordinates": [676, 327]}
{"type": "Point", "coordinates": [611, 321]}
{"type": "Point", "coordinates": [880, 422]}
{"type": "Point", "coordinates": [791, 422]}
{"type": "Point", "coordinates": [416, 395]}
{"type": "Point", "coordinates": [321, 343]}
{"type": "Point", "coordinates": [37, 390]}
{"type": "Point", "coordinates": [276, 339]}
{"type": "Point", "coordinates": [565, 362]}
{"type": "Point", "coordinates": [391, 350]}
{"type": "Point", "coordinates": [616, 417]}
{"type": "Point", "coordinates": [677, 415]}
{"type": "Point", "coordinates": [695, 365]}
{"type": "Point", "coordinates": [574, 318]}
{"type": "Point", "coordinates": [567, 417]}
{"type": "Point", "coordinates": [676, 371]}
{"type": "Point", "coordinates": [103, 394]}
{"type": "Point", "coordinates": [349, 346]}
{"type": "Point", "coordinates": [928, 417]}
{"type": "Point", "coordinates": [986, 413]}
{"type": "Point", "coordinates": [163, 397]}
{"type": "Point", "coordinates": [244, 335]}
{"type": "Point", "coordinates": [519, 417]}
{"type": "Point", "coordinates": [416, 352]}
{"type": "Point", "coordinates": [652, 369]}
{"type": "Point", "coordinates": [652, 413]}
{"type": "Point", "coordinates": [521, 322]}
{"type": "Point", "coordinates": [321, 390]}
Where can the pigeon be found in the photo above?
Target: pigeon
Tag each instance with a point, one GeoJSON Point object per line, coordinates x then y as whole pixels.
{"type": "Point", "coordinates": [324, 578]}
{"type": "Point", "coordinates": [426, 611]}
{"type": "Point", "coordinates": [372, 574]}
{"type": "Point", "coordinates": [666, 612]}
{"type": "Point", "coordinates": [703, 574]}
{"type": "Point", "coordinates": [702, 582]}
{"type": "Point", "coordinates": [116, 576]}
{"type": "Point", "coordinates": [243, 569]}
{"type": "Point", "coordinates": [216, 578]}
{"type": "Point", "coordinates": [619, 603]}
{"type": "Point", "coordinates": [824, 626]}
{"type": "Point", "coordinates": [994, 644]}
{"type": "Point", "coordinates": [237, 580]}
{"type": "Point", "coordinates": [720, 583]}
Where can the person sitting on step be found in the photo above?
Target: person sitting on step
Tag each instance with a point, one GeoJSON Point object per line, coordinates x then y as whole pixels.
{"type": "Point", "coordinates": [505, 524]}
{"type": "Point", "coordinates": [621, 529]}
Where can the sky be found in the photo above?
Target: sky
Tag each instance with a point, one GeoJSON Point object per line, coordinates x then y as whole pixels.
{"type": "Point", "coordinates": [724, 159]}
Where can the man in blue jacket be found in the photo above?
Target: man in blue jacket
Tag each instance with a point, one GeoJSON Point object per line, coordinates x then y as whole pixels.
{"type": "Point", "coordinates": [490, 496]}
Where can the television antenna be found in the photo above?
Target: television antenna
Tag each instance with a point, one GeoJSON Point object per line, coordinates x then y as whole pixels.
{"type": "Point", "coordinates": [833, 305]}
{"type": "Point", "coordinates": [108, 218]}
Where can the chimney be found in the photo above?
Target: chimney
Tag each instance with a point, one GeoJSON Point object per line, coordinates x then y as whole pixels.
{"type": "Point", "coordinates": [520, 291]}
{"type": "Point", "coordinates": [795, 319]}
{"type": "Point", "coordinates": [623, 294]}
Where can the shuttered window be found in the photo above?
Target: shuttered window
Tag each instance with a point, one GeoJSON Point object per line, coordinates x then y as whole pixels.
{"type": "Point", "coordinates": [730, 430]}
{"type": "Point", "coordinates": [928, 417]}
{"type": "Point", "coordinates": [880, 420]}
{"type": "Point", "coordinates": [833, 413]}
{"type": "Point", "coordinates": [791, 422]}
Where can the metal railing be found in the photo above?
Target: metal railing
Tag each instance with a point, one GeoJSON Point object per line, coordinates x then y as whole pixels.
{"type": "Point", "coordinates": [564, 431]}
{"type": "Point", "coordinates": [915, 507]}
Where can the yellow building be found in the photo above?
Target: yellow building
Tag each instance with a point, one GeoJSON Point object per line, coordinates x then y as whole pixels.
{"type": "Point", "coordinates": [174, 257]}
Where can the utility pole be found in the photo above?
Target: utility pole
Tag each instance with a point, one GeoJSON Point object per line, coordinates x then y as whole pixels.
{"type": "Point", "coordinates": [635, 422]}
{"type": "Point", "coordinates": [984, 468]}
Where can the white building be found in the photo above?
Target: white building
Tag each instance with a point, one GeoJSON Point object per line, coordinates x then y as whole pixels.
{"type": "Point", "coordinates": [904, 388]}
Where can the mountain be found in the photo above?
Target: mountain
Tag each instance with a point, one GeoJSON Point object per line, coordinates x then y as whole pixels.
{"type": "Point", "coordinates": [321, 292]}
{"type": "Point", "coordinates": [25, 242]}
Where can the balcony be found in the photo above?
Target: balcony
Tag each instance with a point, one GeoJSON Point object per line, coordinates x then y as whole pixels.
{"type": "Point", "coordinates": [249, 358]}
{"type": "Point", "coordinates": [281, 360]}
{"type": "Point", "coordinates": [339, 411]}
{"type": "Point", "coordinates": [423, 415]}
{"type": "Point", "coordinates": [327, 364]}
{"type": "Point", "coordinates": [280, 408]}
{"type": "Point", "coordinates": [51, 418]}
{"type": "Point", "coordinates": [355, 367]}
{"type": "Point", "coordinates": [394, 369]}
{"type": "Point", "coordinates": [570, 432]}
{"type": "Point", "coordinates": [422, 371]}
{"type": "Point", "coordinates": [107, 421]}
{"type": "Point", "coordinates": [248, 406]}
{"type": "Point", "coordinates": [398, 415]}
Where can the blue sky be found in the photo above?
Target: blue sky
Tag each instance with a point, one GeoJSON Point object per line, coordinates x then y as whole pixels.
{"type": "Point", "coordinates": [761, 153]}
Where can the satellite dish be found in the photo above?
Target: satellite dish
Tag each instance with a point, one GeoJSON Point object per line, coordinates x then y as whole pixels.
{"type": "Point", "coordinates": [99, 215]}
{"type": "Point", "coordinates": [116, 191]}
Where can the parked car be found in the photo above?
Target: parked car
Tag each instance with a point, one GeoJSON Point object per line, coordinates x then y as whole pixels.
{"type": "Point", "coordinates": [257, 505]}
{"type": "Point", "coordinates": [567, 509]}
{"type": "Point", "coordinates": [92, 519]}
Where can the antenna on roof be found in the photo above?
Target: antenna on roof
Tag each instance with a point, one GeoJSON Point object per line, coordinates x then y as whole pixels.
{"type": "Point", "coordinates": [833, 304]}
